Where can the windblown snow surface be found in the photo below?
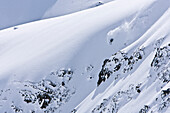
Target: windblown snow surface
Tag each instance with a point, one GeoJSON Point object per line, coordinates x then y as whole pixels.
{"type": "Point", "coordinates": [113, 58]}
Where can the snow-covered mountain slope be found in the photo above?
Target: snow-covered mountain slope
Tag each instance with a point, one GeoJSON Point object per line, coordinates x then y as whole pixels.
{"type": "Point", "coordinates": [62, 64]}
{"type": "Point", "coordinates": [15, 12]}
{"type": "Point", "coordinates": [63, 7]}
{"type": "Point", "coordinates": [139, 74]}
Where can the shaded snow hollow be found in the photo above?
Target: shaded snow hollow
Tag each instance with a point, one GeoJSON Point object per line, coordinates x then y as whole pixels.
{"type": "Point", "coordinates": [16, 12]}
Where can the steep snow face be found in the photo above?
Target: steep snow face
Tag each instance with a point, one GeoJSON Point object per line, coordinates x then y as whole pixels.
{"type": "Point", "coordinates": [55, 65]}
{"type": "Point", "coordinates": [136, 27]}
{"type": "Point", "coordinates": [15, 12]}
{"type": "Point", "coordinates": [139, 76]}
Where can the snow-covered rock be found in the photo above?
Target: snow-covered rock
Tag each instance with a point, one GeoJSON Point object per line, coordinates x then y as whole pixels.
{"type": "Point", "coordinates": [111, 58]}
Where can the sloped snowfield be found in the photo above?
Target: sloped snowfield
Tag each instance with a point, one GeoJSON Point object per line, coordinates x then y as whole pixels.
{"type": "Point", "coordinates": [107, 59]}
{"type": "Point", "coordinates": [16, 12]}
